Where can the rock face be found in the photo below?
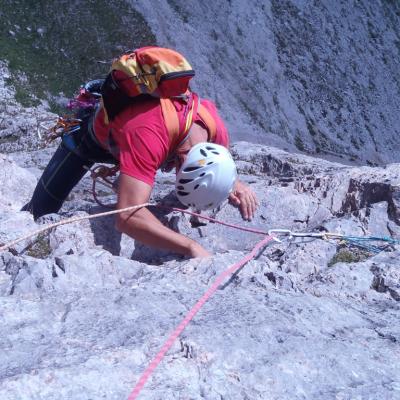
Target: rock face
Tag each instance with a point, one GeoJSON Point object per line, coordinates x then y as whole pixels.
{"type": "Point", "coordinates": [322, 76]}
{"type": "Point", "coordinates": [17, 184]}
{"type": "Point", "coordinates": [20, 128]}
{"type": "Point", "coordinates": [83, 311]}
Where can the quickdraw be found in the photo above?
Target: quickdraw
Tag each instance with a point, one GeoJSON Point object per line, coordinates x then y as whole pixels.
{"type": "Point", "coordinates": [65, 124]}
{"type": "Point", "coordinates": [372, 244]}
{"type": "Point", "coordinates": [87, 98]}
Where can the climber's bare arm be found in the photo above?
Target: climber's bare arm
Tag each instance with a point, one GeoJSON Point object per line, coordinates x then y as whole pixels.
{"type": "Point", "coordinates": [142, 225]}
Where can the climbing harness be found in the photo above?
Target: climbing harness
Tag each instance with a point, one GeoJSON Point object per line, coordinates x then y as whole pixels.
{"type": "Point", "coordinates": [82, 104]}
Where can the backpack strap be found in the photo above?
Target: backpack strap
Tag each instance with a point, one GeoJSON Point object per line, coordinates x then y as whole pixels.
{"type": "Point", "coordinates": [170, 115]}
{"type": "Point", "coordinates": [171, 120]}
{"type": "Point", "coordinates": [208, 119]}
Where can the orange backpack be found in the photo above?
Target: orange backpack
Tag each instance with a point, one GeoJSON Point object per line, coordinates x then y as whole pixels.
{"type": "Point", "coordinates": [158, 72]}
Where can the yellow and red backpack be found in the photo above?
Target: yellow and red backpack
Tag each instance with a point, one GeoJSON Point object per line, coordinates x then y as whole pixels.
{"type": "Point", "coordinates": [159, 72]}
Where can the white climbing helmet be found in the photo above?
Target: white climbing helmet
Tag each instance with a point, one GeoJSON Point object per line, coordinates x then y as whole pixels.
{"type": "Point", "coordinates": [206, 177]}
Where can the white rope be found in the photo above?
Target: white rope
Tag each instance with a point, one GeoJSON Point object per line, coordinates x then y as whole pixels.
{"type": "Point", "coordinates": [70, 221]}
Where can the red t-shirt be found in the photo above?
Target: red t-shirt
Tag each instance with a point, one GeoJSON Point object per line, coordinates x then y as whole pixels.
{"type": "Point", "coordinates": [139, 138]}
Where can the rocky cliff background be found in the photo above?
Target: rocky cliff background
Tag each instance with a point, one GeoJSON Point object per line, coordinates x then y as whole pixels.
{"type": "Point", "coordinates": [83, 309]}
{"type": "Point", "coordinates": [319, 77]}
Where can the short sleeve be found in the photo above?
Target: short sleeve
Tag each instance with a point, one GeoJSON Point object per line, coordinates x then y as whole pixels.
{"type": "Point", "coordinates": [141, 154]}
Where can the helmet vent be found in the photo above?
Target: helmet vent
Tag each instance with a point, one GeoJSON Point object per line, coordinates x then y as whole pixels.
{"type": "Point", "coordinates": [190, 169]}
{"type": "Point", "coordinates": [205, 177]}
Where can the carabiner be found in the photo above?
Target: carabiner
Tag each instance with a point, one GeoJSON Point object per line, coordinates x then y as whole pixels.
{"type": "Point", "coordinates": [285, 232]}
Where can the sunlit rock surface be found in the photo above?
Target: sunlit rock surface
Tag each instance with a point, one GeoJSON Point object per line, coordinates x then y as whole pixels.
{"type": "Point", "coordinates": [83, 311]}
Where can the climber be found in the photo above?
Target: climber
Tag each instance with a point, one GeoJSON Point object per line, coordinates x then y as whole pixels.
{"type": "Point", "coordinates": [138, 139]}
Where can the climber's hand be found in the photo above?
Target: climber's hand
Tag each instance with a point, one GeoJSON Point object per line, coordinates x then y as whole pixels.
{"type": "Point", "coordinates": [244, 197]}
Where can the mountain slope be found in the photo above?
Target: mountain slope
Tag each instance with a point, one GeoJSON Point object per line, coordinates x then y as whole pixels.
{"type": "Point", "coordinates": [323, 76]}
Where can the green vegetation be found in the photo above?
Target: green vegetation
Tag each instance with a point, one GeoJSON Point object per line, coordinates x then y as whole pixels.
{"type": "Point", "coordinates": [54, 46]}
{"type": "Point", "coordinates": [8, 139]}
{"type": "Point", "coordinates": [40, 248]}
{"type": "Point", "coordinates": [346, 255]}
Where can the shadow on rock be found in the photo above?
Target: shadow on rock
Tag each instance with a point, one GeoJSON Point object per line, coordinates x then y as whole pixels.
{"type": "Point", "coordinates": [104, 231]}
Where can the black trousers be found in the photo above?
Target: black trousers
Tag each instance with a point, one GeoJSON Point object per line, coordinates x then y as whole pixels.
{"type": "Point", "coordinates": [66, 168]}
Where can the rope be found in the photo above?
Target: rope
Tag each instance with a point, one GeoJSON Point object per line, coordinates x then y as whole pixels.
{"type": "Point", "coordinates": [69, 221]}
{"type": "Point", "coordinates": [270, 235]}
{"type": "Point", "coordinates": [242, 228]}
{"type": "Point", "coordinates": [351, 240]}
{"type": "Point", "coordinates": [229, 271]}
{"type": "Point", "coordinates": [131, 208]}
{"type": "Point", "coordinates": [363, 242]}
{"type": "Point", "coordinates": [189, 316]}
{"type": "Point", "coordinates": [103, 172]}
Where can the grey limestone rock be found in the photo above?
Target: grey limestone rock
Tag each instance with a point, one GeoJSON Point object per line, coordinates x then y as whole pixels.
{"type": "Point", "coordinates": [85, 311]}
{"type": "Point", "coordinates": [20, 128]}
{"type": "Point", "coordinates": [17, 184]}
{"type": "Point", "coordinates": [321, 78]}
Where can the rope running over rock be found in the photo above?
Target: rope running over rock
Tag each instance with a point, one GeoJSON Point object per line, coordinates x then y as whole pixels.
{"type": "Point", "coordinates": [131, 208]}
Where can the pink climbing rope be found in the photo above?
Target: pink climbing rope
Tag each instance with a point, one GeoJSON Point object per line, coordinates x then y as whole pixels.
{"type": "Point", "coordinates": [210, 291]}
{"type": "Point", "coordinates": [242, 228]}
